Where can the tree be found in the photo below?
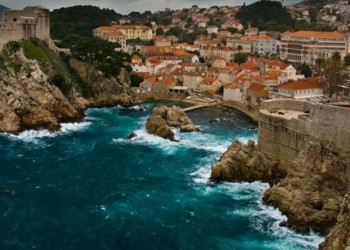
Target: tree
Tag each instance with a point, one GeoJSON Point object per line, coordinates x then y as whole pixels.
{"type": "Point", "coordinates": [305, 70]}
{"type": "Point", "coordinates": [135, 80]}
{"type": "Point", "coordinates": [159, 32]}
{"type": "Point", "coordinates": [347, 59]}
{"type": "Point", "coordinates": [333, 70]}
{"type": "Point", "coordinates": [240, 57]}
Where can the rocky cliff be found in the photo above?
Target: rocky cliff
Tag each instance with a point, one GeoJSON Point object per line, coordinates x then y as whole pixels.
{"type": "Point", "coordinates": [245, 163]}
{"type": "Point", "coordinates": [311, 192]}
{"type": "Point", "coordinates": [28, 100]}
{"type": "Point", "coordinates": [105, 91]}
{"type": "Point", "coordinates": [41, 93]}
{"type": "Point", "coordinates": [339, 237]}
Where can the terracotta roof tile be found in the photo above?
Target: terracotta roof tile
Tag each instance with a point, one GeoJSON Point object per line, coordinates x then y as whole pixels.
{"type": "Point", "coordinates": [307, 83]}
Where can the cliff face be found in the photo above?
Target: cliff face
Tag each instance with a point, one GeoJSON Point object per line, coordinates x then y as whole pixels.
{"type": "Point", "coordinates": [28, 101]}
{"type": "Point", "coordinates": [310, 195]}
{"type": "Point", "coordinates": [32, 98]}
{"type": "Point", "coordinates": [312, 192]}
{"type": "Point", "coordinates": [339, 237]}
{"type": "Point", "coordinates": [106, 91]}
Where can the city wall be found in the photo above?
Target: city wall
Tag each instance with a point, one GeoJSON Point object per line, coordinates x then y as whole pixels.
{"type": "Point", "coordinates": [282, 138]}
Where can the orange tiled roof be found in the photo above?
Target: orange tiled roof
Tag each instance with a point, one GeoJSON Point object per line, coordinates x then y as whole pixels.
{"type": "Point", "coordinates": [168, 81]}
{"type": "Point", "coordinates": [181, 52]}
{"type": "Point", "coordinates": [257, 87]}
{"type": "Point", "coordinates": [152, 79]}
{"type": "Point", "coordinates": [333, 34]}
{"type": "Point", "coordinates": [308, 83]}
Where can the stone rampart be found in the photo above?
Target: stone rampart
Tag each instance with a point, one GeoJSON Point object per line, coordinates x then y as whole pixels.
{"type": "Point", "coordinates": [285, 126]}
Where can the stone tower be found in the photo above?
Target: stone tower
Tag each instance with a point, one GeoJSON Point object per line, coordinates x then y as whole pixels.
{"type": "Point", "coordinates": [31, 22]}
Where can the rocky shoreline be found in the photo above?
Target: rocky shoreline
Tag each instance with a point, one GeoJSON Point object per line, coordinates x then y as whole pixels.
{"type": "Point", "coordinates": [30, 101]}
{"type": "Point", "coordinates": [310, 193]}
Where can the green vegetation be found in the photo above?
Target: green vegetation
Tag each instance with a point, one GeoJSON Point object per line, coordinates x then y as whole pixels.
{"type": "Point", "coordinates": [97, 51]}
{"type": "Point", "coordinates": [333, 70]}
{"type": "Point", "coordinates": [79, 20]}
{"type": "Point", "coordinates": [32, 50]}
{"type": "Point", "coordinates": [59, 81]}
{"type": "Point", "coordinates": [266, 15]}
{"type": "Point", "coordinates": [135, 80]}
{"type": "Point", "coordinates": [240, 57]}
{"type": "Point", "coordinates": [305, 70]}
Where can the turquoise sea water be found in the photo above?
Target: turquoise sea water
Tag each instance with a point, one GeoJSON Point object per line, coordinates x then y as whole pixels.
{"type": "Point", "coordinates": [89, 187]}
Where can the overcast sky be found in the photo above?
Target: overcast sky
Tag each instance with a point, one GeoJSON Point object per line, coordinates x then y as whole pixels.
{"type": "Point", "coordinates": [126, 6]}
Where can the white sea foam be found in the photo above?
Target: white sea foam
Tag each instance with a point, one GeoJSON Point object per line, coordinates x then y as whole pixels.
{"type": "Point", "coordinates": [72, 127]}
{"type": "Point", "coordinates": [265, 219]}
{"type": "Point", "coordinates": [34, 135]}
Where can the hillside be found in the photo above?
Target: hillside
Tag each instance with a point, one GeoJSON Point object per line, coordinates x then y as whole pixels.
{"type": "Point", "coordinates": [266, 15]}
{"type": "Point", "coordinates": [40, 90]}
{"type": "Point", "coordinates": [79, 20]}
{"type": "Point", "coordinates": [2, 9]}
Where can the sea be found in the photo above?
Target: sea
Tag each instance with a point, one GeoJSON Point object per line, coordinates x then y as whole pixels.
{"type": "Point", "coordinates": [89, 187]}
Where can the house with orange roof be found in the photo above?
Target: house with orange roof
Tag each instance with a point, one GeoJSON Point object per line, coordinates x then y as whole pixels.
{"type": "Point", "coordinates": [308, 46]}
{"type": "Point", "coordinates": [162, 41]}
{"type": "Point", "coordinates": [311, 89]}
{"type": "Point", "coordinates": [218, 62]}
{"type": "Point", "coordinates": [209, 84]}
{"type": "Point", "coordinates": [156, 85]}
{"type": "Point", "coordinates": [191, 80]}
{"type": "Point", "coordinates": [232, 93]}
{"type": "Point", "coordinates": [135, 59]}
{"type": "Point", "coordinates": [256, 92]}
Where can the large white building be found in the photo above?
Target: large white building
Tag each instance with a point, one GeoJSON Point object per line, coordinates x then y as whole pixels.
{"type": "Point", "coordinates": [307, 46]}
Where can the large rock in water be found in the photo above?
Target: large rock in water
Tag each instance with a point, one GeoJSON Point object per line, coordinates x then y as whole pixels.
{"type": "Point", "coordinates": [245, 163]}
{"type": "Point", "coordinates": [163, 118]}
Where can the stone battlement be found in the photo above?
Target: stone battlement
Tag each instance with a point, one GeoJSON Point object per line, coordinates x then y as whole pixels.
{"type": "Point", "coordinates": [285, 126]}
{"type": "Point", "coordinates": [31, 22]}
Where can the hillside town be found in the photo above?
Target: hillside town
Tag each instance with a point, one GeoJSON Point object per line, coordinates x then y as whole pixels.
{"type": "Point", "coordinates": [225, 60]}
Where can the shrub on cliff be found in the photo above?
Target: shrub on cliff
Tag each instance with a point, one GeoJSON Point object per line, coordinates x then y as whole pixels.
{"type": "Point", "coordinates": [59, 81]}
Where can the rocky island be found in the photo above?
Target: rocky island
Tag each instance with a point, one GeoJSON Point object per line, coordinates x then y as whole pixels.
{"type": "Point", "coordinates": [164, 118]}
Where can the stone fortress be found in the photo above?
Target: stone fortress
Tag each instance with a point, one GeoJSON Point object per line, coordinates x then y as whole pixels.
{"type": "Point", "coordinates": [286, 125]}
{"type": "Point", "coordinates": [31, 22]}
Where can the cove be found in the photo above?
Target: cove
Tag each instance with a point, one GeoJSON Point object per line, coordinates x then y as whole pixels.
{"type": "Point", "coordinates": [89, 187]}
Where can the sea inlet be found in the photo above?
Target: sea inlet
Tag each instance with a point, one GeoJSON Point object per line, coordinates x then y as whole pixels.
{"type": "Point", "coordinates": [89, 187]}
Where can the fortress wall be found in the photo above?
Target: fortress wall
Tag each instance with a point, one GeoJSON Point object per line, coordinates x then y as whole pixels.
{"type": "Point", "coordinates": [332, 124]}
{"type": "Point", "coordinates": [286, 104]}
{"type": "Point", "coordinates": [282, 138]}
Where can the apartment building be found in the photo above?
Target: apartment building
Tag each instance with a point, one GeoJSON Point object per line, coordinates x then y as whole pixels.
{"type": "Point", "coordinates": [131, 31]}
{"type": "Point", "coordinates": [307, 46]}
